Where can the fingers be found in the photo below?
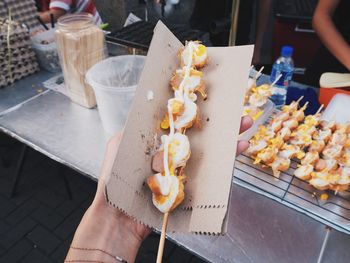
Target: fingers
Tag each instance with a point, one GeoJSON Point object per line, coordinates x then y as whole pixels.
{"type": "Point", "coordinates": [241, 147]}
{"type": "Point", "coordinates": [246, 123]}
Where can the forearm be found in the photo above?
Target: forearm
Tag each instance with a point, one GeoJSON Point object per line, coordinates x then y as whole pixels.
{"type": "Point", "coordinates": [108, 233]}
{"type": "Point", "coordinates": [330, 36]}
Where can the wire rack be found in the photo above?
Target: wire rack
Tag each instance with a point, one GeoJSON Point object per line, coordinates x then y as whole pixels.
{"type": "Point", "coordinates": [295, 193]}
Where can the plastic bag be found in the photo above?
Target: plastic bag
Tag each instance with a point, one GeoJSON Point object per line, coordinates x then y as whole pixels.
{"type": "Point", "coordinates": [114, 81]}
{"type": "Point", "coordinates": [45, 48]}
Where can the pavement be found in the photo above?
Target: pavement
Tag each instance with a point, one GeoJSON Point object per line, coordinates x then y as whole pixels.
{"type": "Point", "coordinates": [38, 223]}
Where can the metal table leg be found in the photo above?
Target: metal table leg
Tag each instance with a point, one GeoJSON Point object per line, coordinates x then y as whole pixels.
{"type": "Point", "coordinates": [324, 245]}
{"type": "Point", "coordinates": [18, 169]}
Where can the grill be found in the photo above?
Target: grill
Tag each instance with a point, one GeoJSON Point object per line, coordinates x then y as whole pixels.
{"type": "Point", "coordinates": [139, 35]}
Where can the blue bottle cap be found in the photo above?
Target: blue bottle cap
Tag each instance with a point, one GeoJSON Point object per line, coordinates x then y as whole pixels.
{"type": "Point", "coordinates": [287, 51]}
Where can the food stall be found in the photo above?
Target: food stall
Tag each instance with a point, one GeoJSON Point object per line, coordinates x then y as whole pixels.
{"type": "Point", "coordinates": [271, 220]}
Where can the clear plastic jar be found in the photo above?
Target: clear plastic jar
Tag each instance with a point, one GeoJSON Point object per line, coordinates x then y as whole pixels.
{"type": "Point", "coordinates": [81, 44]}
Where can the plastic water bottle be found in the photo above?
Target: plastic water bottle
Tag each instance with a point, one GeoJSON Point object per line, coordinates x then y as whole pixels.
{"type": "Point", "coordinates": [283, 66]}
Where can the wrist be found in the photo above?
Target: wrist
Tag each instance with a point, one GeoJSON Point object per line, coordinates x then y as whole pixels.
{"type": "Point", "coordinates": [104, 227]}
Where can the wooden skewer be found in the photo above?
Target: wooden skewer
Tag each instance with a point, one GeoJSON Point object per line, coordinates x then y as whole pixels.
{"type": "Point", "coordinates": [162, 238]}
{"type": "Point", "coordinates": [319, 109]}
{"type": "Point", "coordinates": [277, 79]}
{"type": "Point", "coordinates": [299, 99]}
{"type": "Point", "coordinates": [305, 105]}
{"type": "Point", "coordinates": [258, 74]}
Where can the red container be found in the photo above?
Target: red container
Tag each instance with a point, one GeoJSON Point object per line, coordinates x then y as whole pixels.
{"type": "Point", "coordinates": [326, 94]}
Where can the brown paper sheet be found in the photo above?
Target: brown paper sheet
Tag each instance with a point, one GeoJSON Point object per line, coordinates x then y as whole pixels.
{"type": "Point", "coordinates": [213, 147]}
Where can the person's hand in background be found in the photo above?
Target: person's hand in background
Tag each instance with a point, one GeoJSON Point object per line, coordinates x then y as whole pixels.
{"type": "Point", "coordinates": [246, 123]}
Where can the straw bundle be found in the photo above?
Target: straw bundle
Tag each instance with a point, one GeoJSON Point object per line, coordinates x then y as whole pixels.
{"type": "Point", "coordinates": [80, 47]}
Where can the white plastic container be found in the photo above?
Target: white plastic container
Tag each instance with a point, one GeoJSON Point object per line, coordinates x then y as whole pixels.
{"type": "Point", "coordinates": [337, 109]}
{"type": "Point", "coordinates": [114, 81]}
{"type": "Point", "coordinates": [45, 47]}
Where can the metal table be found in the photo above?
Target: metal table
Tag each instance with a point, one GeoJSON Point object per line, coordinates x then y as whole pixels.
{"type": "Point", "coordinates": [261, 229]}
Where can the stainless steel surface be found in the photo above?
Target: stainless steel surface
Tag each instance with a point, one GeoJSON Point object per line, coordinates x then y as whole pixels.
{"type": "Point", "coordinates": [260, 229]}
{"type": "Point", "coordinates": [22, 90]}
{"type": "Point", "coordinates": [295, 193]}
{"type": "Point", "coordinates": [60, 129]}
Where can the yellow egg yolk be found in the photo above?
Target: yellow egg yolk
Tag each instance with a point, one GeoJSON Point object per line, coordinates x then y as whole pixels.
{"type": "Point", "coordinates": [201, 50]}
{"type": "Point", "coordinates": [196, 73]}
{"type": "Point", "coordinates": [177, 107]}
{"type": "Point", "coordinates": [165, 122]}
{"type": "Point", "coordinates": [324, 197]}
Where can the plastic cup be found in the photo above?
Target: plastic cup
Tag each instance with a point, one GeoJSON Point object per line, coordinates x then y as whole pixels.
{"type": "Point", "coordinates": [114, 81]}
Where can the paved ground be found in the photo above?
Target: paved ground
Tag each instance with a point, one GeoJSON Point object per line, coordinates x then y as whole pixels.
{"type": "Point", "coordinates": [37, 224]}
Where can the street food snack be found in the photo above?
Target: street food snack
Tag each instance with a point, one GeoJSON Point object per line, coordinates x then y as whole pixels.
{"type": "Point", "coordinates": [256, 96]}
{"type": "Point", "coordinates": [323, 147]}
{"type": "Point", "coordinates": [167, 185]}
{"type": "Point", "coordinates": [269, 145]}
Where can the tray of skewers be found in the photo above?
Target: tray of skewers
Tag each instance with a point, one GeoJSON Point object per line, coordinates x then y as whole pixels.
{"type": "Point", "coordinates": [320, 147]}
{"type": "Point", "coordinates": [256, 103]}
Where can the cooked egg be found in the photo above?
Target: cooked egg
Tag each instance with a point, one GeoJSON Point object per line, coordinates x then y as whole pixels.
{"type": "Point", "coordinates": [193, 83]}
{"type": "Point", "coordinates": [328, 125]}
{"type": "Point", "coordinates": [169, 202]}
{"type": "Point", "coordinates": [310, 158]}
{"type": "Point", "coordinates": [280, 165]}
{"type": "Point", "coordinates": [332, 152]}
{"type": "Point", "coordinates": [326, 165]}
{"type": "Point", "coordinates": [179, 149]}
{"type": "Point", "coordinates": [317, 145]}
{"type": "Point", "coordinates": [312, 120]}
{"type": "Point", "coordinates": [177, 106]}
{"type": "Point", "coordinates": [257, 100]}
{"type": "Point", "coordinates": [319, 183]}
{"type": "Point", "coordinates": [285, 133]}
{"type": "Point", "coordinates": [264, 90]}
{"type": "Point", "coordinates": [194, 54]}
{"type": "Point", "coordinates": [283, 116]}
{"type": "Point", "coordinates": [256, 146]}
{"type": "Point", "coordinates": [289, 151]}
{"type": "Point", "coordinates": [293, 106]}
{"type": "Point", "coordinates": [291, 124]}
{"type": "Point", "coordinates": [159, 184]}
{"type": "Point", "coordinates": [338, 137]}
{"type": "Point", "coordinates": [267, 155]}
{"type": "Point", "coordinates": [188, 117]}
{"type": "Point", "coordinates": [303, 172]}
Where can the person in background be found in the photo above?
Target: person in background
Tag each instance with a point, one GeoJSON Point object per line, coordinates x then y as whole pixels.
{"type": "Point", "coordinates": [107, 235]}
{"type": "Point", "coordinates": [61, 7]}
{"type": "Point", "coordinates": [332, 24]}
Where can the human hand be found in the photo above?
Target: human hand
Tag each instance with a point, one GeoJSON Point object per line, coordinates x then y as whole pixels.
{"type": "Point", "coordinates": [103, 226]}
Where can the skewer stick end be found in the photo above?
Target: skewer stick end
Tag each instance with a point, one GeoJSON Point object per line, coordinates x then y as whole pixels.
{"type": "Point", "coordinates": [299, 99]}
{"type": "Point", "coordinates": [162, 238]}
{"type": "Point", "coordinates": [320, 108]}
